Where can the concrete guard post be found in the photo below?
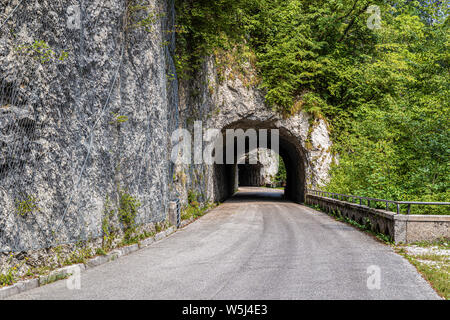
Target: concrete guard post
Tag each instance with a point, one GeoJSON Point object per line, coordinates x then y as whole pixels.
{"type": "Point", "coordinates": [173, 213]}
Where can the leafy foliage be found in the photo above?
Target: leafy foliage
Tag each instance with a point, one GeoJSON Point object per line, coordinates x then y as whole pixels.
{"type": "Point", "coordinates": [204, 25]}
{"type": "Point", "coordinates": [195, 208]}
{"type": "Point", "coordinates": [127, 212]}
{"type": "Point", "coordinates": [42, 52]}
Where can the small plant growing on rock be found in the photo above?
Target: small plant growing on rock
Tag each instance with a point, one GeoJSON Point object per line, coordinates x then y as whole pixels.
{"type": "Point", "coordinates": [100, 252]}
{"type": "Point", "coordinates": [118, 119]}
{"type": "Point", "coordinates": [80, 254]}
{"type": "Point", "coordinates": [7, 279]}
{"type": "Point", "coordinates": [8, 276]}
{"type": "Point", "coordinates": [141, 15]}
{"type": "Point", "coordinates": [27, 206]}
{"type": "Point", "coordinates": [195, 208]}
{"type": "Point", "coordinates": [193, 196]}
{"type": "Point", "coordinates": [158, 227]}
{"type": "Point", "coordinates": [42, 52]}
{"type": "Point", "coordinates": [127, 212]}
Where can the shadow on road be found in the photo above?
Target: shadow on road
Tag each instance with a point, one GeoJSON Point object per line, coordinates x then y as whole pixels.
{"type": "Point", "coordinates": [255, 194]}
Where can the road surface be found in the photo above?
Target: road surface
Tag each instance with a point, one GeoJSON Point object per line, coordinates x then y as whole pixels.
{"type": "Point", "coordinates": [254, 246]}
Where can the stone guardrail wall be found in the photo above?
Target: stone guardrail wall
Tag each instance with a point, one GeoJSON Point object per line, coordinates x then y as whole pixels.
{"type": "Point", "coordinates": [401, 228]}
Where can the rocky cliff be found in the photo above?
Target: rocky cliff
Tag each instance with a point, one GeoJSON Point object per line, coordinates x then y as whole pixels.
{"type": "Point", "coordinates": [85, 112]}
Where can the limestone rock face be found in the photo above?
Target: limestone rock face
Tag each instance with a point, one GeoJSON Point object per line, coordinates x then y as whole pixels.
{"type": "Point", "coordinates": [84, 112]}
{"type": "Point", "coordinates": [270, 165]}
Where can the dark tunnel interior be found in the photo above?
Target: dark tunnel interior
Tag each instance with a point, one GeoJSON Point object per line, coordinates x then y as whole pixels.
{"type": "Point", "coordinates": [227, 178]}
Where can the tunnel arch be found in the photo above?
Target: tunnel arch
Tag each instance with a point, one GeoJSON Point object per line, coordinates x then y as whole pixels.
{"type": "Point", "coordinates": [290, 149]}
{"type": "Point", "coordinates": [227, 101]}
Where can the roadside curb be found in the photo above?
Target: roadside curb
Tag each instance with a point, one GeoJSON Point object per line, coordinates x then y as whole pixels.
{"type": "Point", "coordinates": [184, 223]}
{"type": "Point", "coordinates": [67, 271]}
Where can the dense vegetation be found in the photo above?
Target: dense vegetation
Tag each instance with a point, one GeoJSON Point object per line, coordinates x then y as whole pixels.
{"type": "Point", "coordinates": [383, 91]}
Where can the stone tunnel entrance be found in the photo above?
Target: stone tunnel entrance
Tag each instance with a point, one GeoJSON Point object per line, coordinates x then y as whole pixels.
{"type": "Point", "coordinates": [228, 176]}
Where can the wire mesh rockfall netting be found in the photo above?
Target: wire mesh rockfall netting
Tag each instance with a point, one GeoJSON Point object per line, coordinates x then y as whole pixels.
{"type": "Point", "coordinates": [87, 98]}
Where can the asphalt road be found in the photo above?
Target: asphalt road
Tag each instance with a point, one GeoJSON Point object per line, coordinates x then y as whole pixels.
{"type": "Point", "coordinates": [254, 246]}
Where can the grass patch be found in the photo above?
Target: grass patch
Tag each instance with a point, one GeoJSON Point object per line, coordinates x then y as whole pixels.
{"type": "Point", "coordinates": [7, 279]}
{"type": "Point", "coordinates": [440, 244]}
{"type": "Point", "coordinates": [196, 210]}
{"type": "Point", "coordinates": [437, 274]}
